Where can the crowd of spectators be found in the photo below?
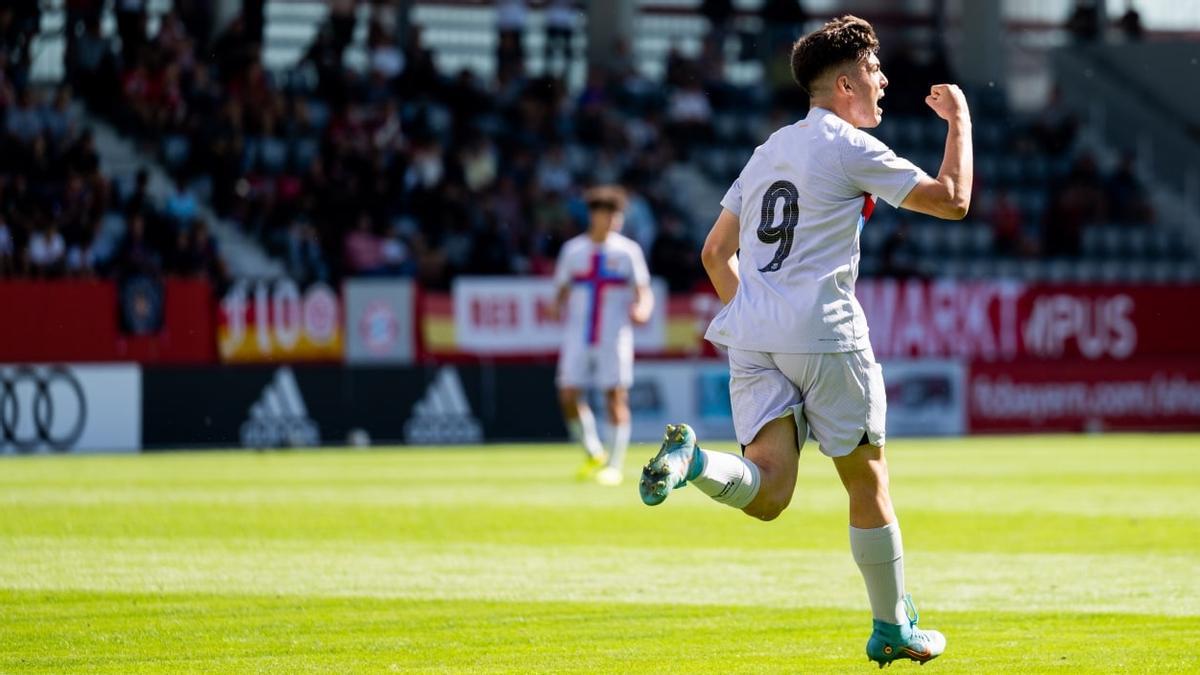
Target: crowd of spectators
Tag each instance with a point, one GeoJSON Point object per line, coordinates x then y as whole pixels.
{"type": "Point", "coordinates": [400, 168]}
{"type": "Point", "coordinates": [54, 198]}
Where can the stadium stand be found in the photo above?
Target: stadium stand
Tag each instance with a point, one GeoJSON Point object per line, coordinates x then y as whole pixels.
{"type": "Point", "coordinates": [345, 145]}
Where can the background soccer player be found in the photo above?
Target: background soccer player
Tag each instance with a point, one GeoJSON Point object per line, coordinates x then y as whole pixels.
{"type": "Point", "coordinates": [604, 286]}
{"type": "Point", "coordinates": [799, 356]}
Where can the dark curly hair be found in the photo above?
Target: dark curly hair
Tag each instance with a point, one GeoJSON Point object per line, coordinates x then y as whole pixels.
{"type": "Point", "coordinates": [846, 38]}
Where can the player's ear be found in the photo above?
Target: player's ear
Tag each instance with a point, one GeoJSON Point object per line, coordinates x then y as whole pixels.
{"type": "Point", "coordinates": [843, 85]}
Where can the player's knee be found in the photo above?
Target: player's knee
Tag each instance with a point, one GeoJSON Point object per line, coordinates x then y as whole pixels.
{"type": "Point", "coordinates": [618, 406]}
{"type": "Point", "coordinates": [568, 399]}
{"type": "Point", "coordinates": [867, 486]}
{"type": "Point", "coordinates": [618, 414]}
{"type": "Point", "coordinates": [765, 510]}
{"type": "Point", "coordinates": [769, 503]}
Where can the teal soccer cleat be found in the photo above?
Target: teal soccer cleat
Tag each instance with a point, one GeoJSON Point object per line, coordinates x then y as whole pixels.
{"type": "Point", "coordinates": [890, 642]}
{"type": "Point", "coordinates": [677, 462]}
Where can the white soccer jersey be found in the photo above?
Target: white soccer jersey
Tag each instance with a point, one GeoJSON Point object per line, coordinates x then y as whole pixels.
{"type": "Point", "coordinates": [602, 278]}
{"type": "Point", "coordinates": [802, 201]}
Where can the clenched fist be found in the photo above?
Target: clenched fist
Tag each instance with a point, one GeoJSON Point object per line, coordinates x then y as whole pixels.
{"type": "Point", "coordinates": [948, 102]}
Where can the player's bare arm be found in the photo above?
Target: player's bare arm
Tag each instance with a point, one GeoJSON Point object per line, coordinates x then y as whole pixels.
{"type": "Point", "coordinates": [643, 304]}
{"type": "Point", "coordinates": [560, 302]}
{"type": "Point", "coordinates": [949, 195]}
{"type": "Point", "coordinates": [718, 255]}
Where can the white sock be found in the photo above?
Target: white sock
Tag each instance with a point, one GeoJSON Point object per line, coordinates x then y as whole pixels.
{"type": "Point", "coordinates": [880, 557]}
{"type": "Point", "coordinates": [728, 478]}
{"type": "Point", "coordinates": [583, 430]}
{"type": "Point", "coordinates": [619, 445]}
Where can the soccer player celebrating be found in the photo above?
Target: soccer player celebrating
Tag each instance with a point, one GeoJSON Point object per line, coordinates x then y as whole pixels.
{"type": "Point", "coordinates": [799, 357]}
{"type": "Point", "coordinates": [604, 286]}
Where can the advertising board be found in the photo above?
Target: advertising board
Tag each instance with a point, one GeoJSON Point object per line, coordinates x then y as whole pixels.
{"type": "Point", "coordinates": [270, 320]}
{"type": "Point", "coordinates": [380, 314]}
{"type": "Point", "coordinates": [70, 408]}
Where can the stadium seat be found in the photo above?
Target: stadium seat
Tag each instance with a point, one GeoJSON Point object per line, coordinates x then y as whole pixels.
{"type": "Point", "coordinates": [1092, 244]}
{"type": "Point", "coordinates": [986, 169]}
{"type": "Point", "coordinates": [1111, 241]}
{"type": "Point", "coordinates": [1131, 242]}
{"type": "Point", "coordinates": [991, 135]}
{"type": "Point", "coordinates": [981, 241]}
{"type": "Point", "coordinates": [910, 132]}
{"type": "Point", "coordinates": [868, 266]}
{"type": "Point", "coordinates": [1029, 270]}
{"type": "Point", "coordinates": [1160, 273]}
{"type": "Point", "coordinates": [952, 268]}
{"type": "Point", "coordinates": [1159, 244]}
{"type": "Point", "coordinates": [1139, 271]}
{"type": "Point", "coordinates": [273, 154]}
{"type": "Point", "coordinates": [1111, 271]}
{"type": "Point", "coordinates": [176, 150]}
{"type": "Point", "coordinates": [1085, 271]}
{"type": "Point", "coordinates": [1032, 202]}
{"type": "Point", "coordinates": [956, 238]}
{"type": "Point", "coordinates": [303, 151]}
{"type": "Point", "coordinates": [726, 127]}
{"type": "Point", "coordinates": [318, 113]}
{"type": "Point", "coordinates": [1037, 170]}
{"type": "Point", "coordinates": [1007, 268]}
{"type": "Point", "coordinates": [1011, 170]}
{"type": "Point", "coordinates": [108, 238]}
{"type": "Point", "coordinates": [873, 236]}
{"type": "Point", "coordinates": [934, 132]}
{"type": "Point", "coordinates": [926, 237]}
{"type": "Point", "coordinates": [982, 268]}
{"type": "Point", "coordinates": [1058, 271]}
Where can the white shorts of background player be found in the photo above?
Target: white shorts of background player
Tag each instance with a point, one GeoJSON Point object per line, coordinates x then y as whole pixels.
{"type": "Point", "coordinates": [601, 366]}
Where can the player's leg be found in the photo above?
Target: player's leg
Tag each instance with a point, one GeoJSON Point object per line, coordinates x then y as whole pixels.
{"type": "Point", "coordinates": [581, 422]}
{"type": "Point", "coordinates": [766, 416]}
{"type": "Point", "coordinates": [614, 374]}
{"type": "Point", "coordinates": [878, 549]}
{"type": "Point", "coordinates": [874, 533]}
{"type": "Point", "coordinates": [617, 402]}
{"type": "Point", "coordinates": [577, 414]}
{"type": "Point", "coordinates": [846, 407]}
{"type": "Point", "coordinates": [776, 455]}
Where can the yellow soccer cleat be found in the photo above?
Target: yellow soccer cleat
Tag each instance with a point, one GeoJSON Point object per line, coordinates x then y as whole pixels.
{"type": "Point", "coordinates": [590, 466]}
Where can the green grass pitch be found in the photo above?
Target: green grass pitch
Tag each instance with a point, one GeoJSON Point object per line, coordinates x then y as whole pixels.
{"type": "Point", "coordinates": [1033, 554]}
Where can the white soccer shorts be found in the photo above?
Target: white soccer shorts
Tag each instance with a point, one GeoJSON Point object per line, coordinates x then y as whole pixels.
{"type": "Point", "coordinates": [840, 395]}
{"type": "Point", "coordinates": [583, 366]}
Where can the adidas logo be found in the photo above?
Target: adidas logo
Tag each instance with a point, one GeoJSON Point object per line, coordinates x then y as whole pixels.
{"type": "Point", "coordinates": [279, 418]}
{"type": "Point", "coordinates": [443, 415]}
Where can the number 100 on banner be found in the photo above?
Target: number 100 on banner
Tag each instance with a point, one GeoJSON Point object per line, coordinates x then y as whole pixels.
{"type": "Point", "coordinates": [274, 320]}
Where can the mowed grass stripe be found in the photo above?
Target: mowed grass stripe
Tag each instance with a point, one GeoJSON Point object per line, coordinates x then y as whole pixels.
{"type": "Point", "coordinates": [1156, 457]}
{"type": "Point", "coordinates": [132, 633]}
{"type": "Point", "coordinates": [690, 519]}
{"type": "Point", "coordinates": [1124, 475]}
{"type": "Point", "coordinates": [817, 489]}
{"type": "Point", "coordinates": [1142, 584]}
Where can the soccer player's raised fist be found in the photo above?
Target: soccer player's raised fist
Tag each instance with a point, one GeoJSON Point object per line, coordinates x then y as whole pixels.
{"type": "Point", "coordinates": [947, 101]}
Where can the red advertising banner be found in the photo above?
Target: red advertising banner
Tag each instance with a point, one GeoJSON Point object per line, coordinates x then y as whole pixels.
{"type": "Point", "coordinates": [1001, 321]}
{"type": "Point", "coordinates": [1141, 394]}
{"type": "Point", "coordinates": [78, 321]}
{"type": "Point", "coordinates": [1009, 321]}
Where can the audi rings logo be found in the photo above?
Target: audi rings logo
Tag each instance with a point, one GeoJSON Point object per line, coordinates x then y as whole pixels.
{"type": "Point", "coordinates": [41, 407]}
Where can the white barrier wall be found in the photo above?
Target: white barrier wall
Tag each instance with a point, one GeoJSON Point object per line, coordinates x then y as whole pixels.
{"type": "Point", "coordinates": [70, 408]}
